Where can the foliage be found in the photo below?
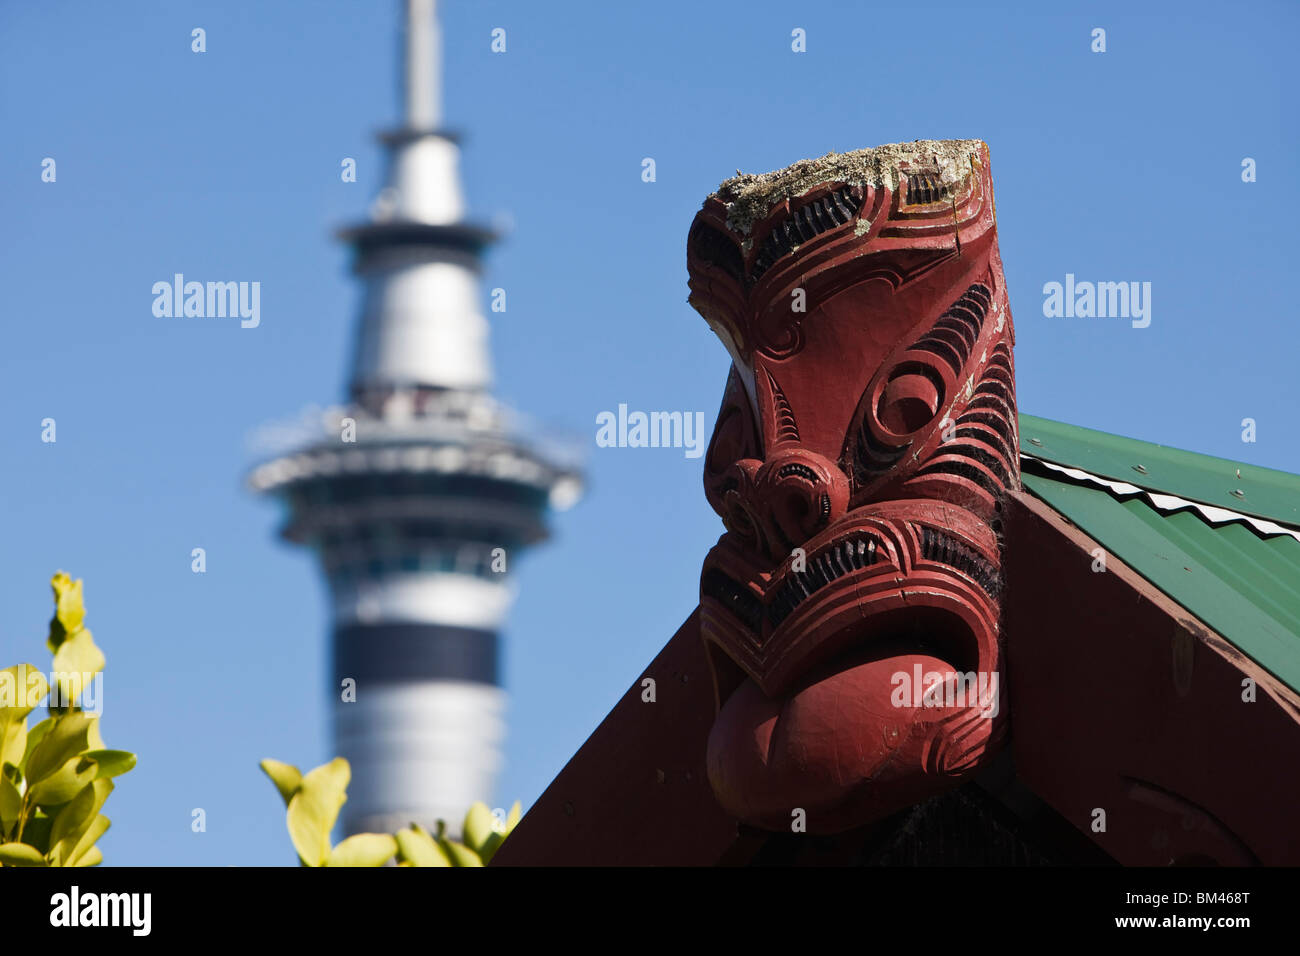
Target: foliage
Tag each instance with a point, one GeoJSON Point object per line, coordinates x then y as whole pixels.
{"type": "Point", "coordinates": [313, 801]}
{"type": "Point", "coordinates": [55, 776]}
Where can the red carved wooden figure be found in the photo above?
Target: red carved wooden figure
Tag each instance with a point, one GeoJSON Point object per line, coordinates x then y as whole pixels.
{"type": "Point", "coordinates": [866, 438]}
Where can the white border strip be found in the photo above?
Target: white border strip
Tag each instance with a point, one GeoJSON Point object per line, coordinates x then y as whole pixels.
{"type": "Point", "coordinates": [1168, 503]}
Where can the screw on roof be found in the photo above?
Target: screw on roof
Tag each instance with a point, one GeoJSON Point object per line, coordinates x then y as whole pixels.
{"type": "Point", "coordinates": [1141, 469]}
{"type": "Point", "coordinates": [1238, 493]}
{"type": "Point", "coordinates": [1034, 441]}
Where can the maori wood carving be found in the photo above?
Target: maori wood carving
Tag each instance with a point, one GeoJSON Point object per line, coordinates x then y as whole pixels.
{"type": "Point", "coordinates": [866, 439]}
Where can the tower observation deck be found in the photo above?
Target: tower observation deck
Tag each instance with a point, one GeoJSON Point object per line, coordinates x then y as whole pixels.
{"type": "Point", "coordinates": [418, 493]}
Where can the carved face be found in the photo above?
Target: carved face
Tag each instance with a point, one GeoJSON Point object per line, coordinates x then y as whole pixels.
{"type": "Point", "coordinates": [866, 436]}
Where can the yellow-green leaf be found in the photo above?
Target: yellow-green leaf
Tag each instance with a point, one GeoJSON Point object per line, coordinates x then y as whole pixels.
{"type": "Point", "coordinates": [20, 854]}
{"type": "Point", "coordinates": [75, 818]}
{"type": "Point", "coordinates": [93, 740]}
{"type": "Point", "coordinates": [70, 821]}
{"type": "Point", "coordinates": [86, 844]}
{"type": "Point", "coordinates": [112, 763]}
{"type": "Point", "coordinates": [314, 809]}
{"type": "Point", "coordinates": [419, 849]}
{"type": "Point", "coordinates": [64, 740]}
{"type": "Point", "coordinates": [22, 687]}
{"type": "Point", "coordinates": [286, 777]}
{"type": "Point", "coordinates": [93, 858]}
{"type": "Point", "coordinates": [500, 831]}
{"type": "Point", "coordinates": [478, 825]}
{"type": "Point", "coordinates": [13, 742]}
{"type": "Point", "coordinates": [490, 846]}
{"type": "Point", "coordinates": [460, 854]}
{"type": "Point", "coordinates": [76, 662]}
{"type": "Point", "coordinates": [36, 831]}
{"type": "Point", "coordinates": [11, 802]}
{"type": "Point", "coordinates": [363, 849]}
{"type": "Point", "coordinates": [65, 783]}
{"type": "Point", "coordinates": [36, 735]}
{"type": "Point", "coordinates": [69, 610]}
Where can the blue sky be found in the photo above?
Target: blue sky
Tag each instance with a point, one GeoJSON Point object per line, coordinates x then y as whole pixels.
{"type": "Point", "coordinates": [1115, 166]}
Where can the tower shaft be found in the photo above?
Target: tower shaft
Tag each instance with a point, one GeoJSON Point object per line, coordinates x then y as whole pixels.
{"type": "Point", "coordinates": [418, 495]}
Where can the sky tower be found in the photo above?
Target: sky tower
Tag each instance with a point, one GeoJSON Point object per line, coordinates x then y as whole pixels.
{"type": "Point", "coordinates": [419, 493]}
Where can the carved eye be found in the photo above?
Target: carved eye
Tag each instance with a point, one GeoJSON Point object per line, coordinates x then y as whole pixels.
{"type": "Point", "coordinates": [717, 250]}
{"type": "Point", "coordinates": [910, 400]}
{"type": "Point", "coordinates": [735, 439]}
{"type": "Point", "coordinates": [732, 440]}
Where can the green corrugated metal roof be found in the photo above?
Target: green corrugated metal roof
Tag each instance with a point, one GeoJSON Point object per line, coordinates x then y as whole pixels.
{"type": "Point", "coordinates": [1243, 585]}
{"type": "Point", "coordinates": [1265, 493]}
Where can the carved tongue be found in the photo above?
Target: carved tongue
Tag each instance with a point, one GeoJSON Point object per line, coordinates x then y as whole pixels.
{"type": "Point", "coordinates": [838, 749]}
